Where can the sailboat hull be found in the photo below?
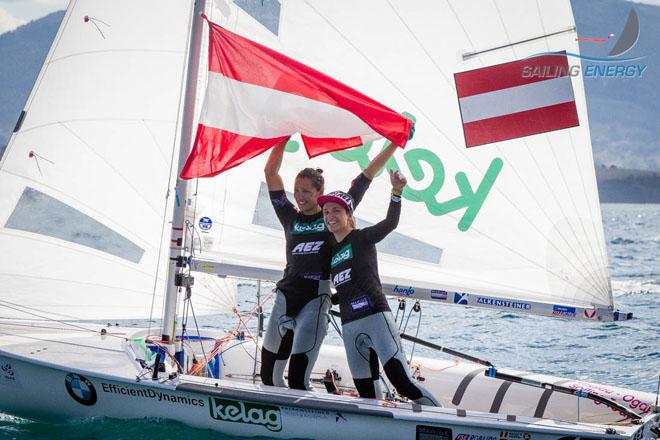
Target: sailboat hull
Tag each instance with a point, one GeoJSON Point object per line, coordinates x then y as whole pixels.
{"type": "Point", "coordinates": [96, 376]}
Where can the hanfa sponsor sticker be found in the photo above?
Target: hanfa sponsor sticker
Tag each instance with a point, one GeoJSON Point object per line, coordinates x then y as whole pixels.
{"type": "Point", "coordinates": [563, 311]}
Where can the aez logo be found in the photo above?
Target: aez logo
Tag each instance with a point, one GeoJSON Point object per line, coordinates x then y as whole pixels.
{"type": "Point", "coordinates": [310, 247]}
{"type": "Point", "coordinates": [308, 228]}
{"type": "Point", "coordinates": [342, 277]}
{"type": "Point", "coordinates": [345, 254]}
{"type": "Point", "coordinates": [268, 416]}
{"type": "Point", "coordinates": [80, 388]}
{"type": "Point", "coordinates": [461, 298]}
{"type": "Point", "coordinates": [401, 291]}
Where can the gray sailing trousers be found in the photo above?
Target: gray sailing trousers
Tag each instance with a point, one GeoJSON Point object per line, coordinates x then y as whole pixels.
{"type": "Point", "coordinates": [377, 337]}
{"type": "Point", "coordinates": [299, 336]}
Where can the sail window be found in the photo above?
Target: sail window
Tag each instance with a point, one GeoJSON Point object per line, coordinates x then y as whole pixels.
{"type": "Point", "coordinates": [39, 213]}
{"type": "Point", "coordinates": [396, 244]}
{"type": "Point", "coordinates": [266, 12]}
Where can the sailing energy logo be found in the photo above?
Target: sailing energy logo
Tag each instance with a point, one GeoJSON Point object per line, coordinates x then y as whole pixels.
{"type": "Point", "coordinates": [608, 66]}
{"type": "Point", "coordinates": [268, 416]}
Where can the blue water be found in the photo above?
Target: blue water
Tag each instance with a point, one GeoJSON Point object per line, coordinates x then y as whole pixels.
{"type": "Point", "coordinates": [625, 354]}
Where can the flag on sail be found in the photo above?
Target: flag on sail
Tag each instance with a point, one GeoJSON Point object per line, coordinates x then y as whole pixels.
{"type": "Point", "coordinates": [516, 99]}
{"type": "Point", "coordinates": [257, 97]}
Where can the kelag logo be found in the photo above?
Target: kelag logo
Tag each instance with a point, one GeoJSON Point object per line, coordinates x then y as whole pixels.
{"type": "Point", "coordinates": [609, 66]}
{"type": "Point", "coordinates": [268, 416]}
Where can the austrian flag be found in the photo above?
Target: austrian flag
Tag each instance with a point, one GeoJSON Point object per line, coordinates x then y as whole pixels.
{"type": "Point", "coordinates": [257, 97]}
{"type": "Point", "coordinates": [510, 100]}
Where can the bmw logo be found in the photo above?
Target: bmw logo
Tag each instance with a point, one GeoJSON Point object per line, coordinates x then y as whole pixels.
{"type": "Point", "coordinates": [205, 223]}
{"type": "Point", "coordinates": [80, 388]}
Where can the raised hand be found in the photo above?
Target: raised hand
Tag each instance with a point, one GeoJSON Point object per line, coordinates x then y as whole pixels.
{"type": "Point", "coordinates": [398, 180]}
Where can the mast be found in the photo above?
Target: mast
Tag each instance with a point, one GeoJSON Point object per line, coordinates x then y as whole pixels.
{"type": "Point", "coordinates": [176, 277]}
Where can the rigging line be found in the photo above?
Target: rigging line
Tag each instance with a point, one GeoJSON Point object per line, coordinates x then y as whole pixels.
{"type": "Point", "coordinates": [17, 308]}
{"type": "Point", "coordinates": [138, 51]}
{"type": "Point", "coordinates": [84, 283]}
{"type": "Point", "coordinates": [125, 232]}
{"type": "Point", "coordinates": [170, 175]}
{"type": "Point", "coordinates": [109, 165]}
{"type": "Point", "coordinates": [73, 344]}
{"type": "Point", "coordinates": [79, 248]}
{"type": "Point", "coordinates": [451, 85]}
{"type": "Point", "coordinates": [77, 120]}
{"type": "Point", "coordinates": [460, 150]}
{"type": "Point", "coordinates": [156, 144]}
{"type": "Point", "coordinates": [596, 284]}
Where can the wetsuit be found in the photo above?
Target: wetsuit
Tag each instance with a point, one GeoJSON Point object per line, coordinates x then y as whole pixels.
{"type": "Point", "coordinates": [368, 328]}
{"type": "Point", "coordinates": [299, 319]}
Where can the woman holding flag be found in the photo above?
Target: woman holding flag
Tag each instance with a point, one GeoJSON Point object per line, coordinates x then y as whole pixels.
{"type": "Point", "coordinates": [368, 328]}
{"type": "Point", "coordinates": [299, 319]}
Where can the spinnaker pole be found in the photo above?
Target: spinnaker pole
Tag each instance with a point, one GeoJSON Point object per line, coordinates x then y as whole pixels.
{"type": "Point", "coordinates": [177, 277]}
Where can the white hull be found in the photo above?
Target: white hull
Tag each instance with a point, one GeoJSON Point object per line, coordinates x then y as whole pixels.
{"type": "Point", "coordinates": [78, 375]}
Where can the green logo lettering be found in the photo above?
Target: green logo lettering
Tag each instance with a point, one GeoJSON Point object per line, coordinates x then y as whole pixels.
{"type": "Point", "coordinates": [308, 228]}
{"type": "Point", "coordinates": [345, 254]}
{"type": "Point", "coordinates": [470, 199]}
{"type": "Point", "coordinates": [268, 416]}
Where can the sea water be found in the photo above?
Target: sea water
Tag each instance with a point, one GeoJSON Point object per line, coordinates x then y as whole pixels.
{"type": "Point", "coordinates": [625, 354]}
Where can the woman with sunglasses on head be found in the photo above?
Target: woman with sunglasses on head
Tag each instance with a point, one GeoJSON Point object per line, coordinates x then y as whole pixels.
{"type": "Point", "coordinates": [368, 328]}
{"type": "Point", "coordinates": [299, 319]}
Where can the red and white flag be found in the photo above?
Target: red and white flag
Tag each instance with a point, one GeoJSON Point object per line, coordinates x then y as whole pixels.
{"type": "Point", "coordinates": [516, 99]}
{"type": "Point", "coordinates": [257, 97]}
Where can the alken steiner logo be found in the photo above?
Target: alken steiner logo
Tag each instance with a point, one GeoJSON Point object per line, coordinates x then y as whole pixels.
{"type": "Point", "coordinates": [404, 291]}
{"type": "Point", "coordinates": [268, 416]}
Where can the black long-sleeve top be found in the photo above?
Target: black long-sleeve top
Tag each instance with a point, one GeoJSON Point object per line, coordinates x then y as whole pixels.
{"type": "Point", "coordinates": [354, 267]}
{"type": "Point", "coordinates": [307, 246]}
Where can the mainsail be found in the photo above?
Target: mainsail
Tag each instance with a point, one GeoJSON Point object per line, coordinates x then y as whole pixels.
{"type": "Point", "coordinates": [86, 175]}
{"type": "Point", "coordinates": [505, 224]}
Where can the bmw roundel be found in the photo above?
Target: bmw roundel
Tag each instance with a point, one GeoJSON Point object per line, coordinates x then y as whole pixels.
{"type": "Point", "coordinates": [80, 388]}
{"type": "Point", "coordinates": [205, 223]}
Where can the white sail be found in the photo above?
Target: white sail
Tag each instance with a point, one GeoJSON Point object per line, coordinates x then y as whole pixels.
{"type": "Point", "coordinates": [85, 177]}
{"type": "Point", "coordinates": [538, 235]}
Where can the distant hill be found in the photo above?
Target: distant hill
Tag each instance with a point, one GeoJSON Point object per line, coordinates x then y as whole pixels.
{"type": "Point", "coordinates": [22, 52]}
{"type": "Point", "coordinates": [621, 185]}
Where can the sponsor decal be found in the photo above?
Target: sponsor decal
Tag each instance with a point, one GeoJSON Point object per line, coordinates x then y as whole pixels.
{"type": "Point", "coordinates": [346, 253]}
{"type": "Point", "coordinates": [80, 388]}
{"type": "Point", "coordinates": [404, 290]}
{"type": "Point", "coordinates": [308, 228]}
{"type": "Point", "coordinates": [339, 416]}
{"type": "Point", "coordinates": [148, 393]}
{"type": "Point", "coordinates": [307, 413]}
{"type": "Point", "coordinates": [359, 304]}
{"type": "Point", "coordinates": [307, 248]}
{"type": "Point", "coordinates": [424, 432]}
{"type": "Point", "coordinates": [563, 311]}
{"type": "Point", "coordinates": [7, 373]}
{"type": "Point", "coordinates": [589, 313]}
{"type": "Point", "coordinates": [438, 294]}
{"type": "Point", "coordinates": [268, 416]}
{"type": "Point", "coordinates": [312, 276]}
{"type": "Point", "coordinates": [460, 298]}
{"type": "Point", "coordinates": [503, 303]}
{"type": "Point", "coordinates": [280, 201]}
{"type": "Point", "coordinates": [515, 435]}
{"type": "Point", "coordinates": [474, 437]}
{"type": "Point", "coordinates": [342, 277]}
{"type": "Point", "coordinates": [205, 223]}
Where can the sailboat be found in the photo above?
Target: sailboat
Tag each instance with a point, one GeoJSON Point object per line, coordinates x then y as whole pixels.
{"type": "Point", "coordinates": [95, 226]}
